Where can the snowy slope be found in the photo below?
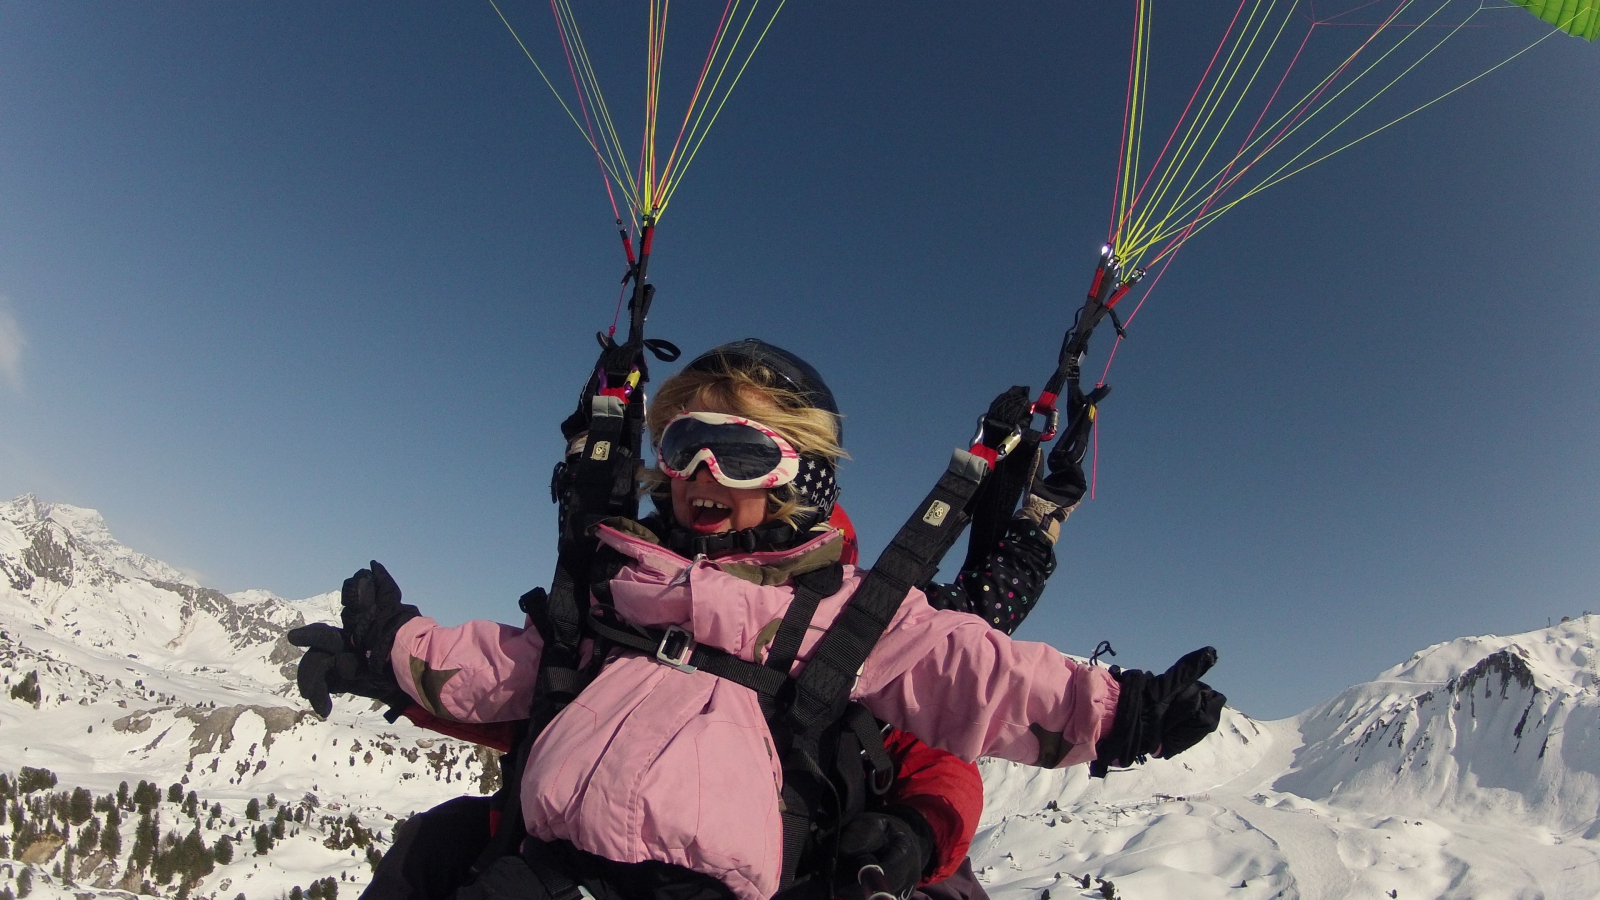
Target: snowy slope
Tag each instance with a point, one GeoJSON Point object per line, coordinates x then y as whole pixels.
{"type": "Point", "coordinates": [143, 674]}
{"type": "Point", "coordinates": [1470, 770]}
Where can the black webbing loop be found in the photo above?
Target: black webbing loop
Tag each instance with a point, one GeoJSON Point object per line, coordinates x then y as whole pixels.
{"type": "Point", "coordinates": [547, 870]}
{"type": "Point", "coordinates": [869, 733]}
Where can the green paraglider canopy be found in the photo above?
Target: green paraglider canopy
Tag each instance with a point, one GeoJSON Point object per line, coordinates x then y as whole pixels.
{"type": "Point", "coordinates": [1578, 17]}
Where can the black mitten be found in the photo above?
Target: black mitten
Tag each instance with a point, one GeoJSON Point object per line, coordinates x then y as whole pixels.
{"type": "Point", "coordinates": [896, 839]}
{"type": "Point", "coordinates": [1160, 715]}
{"type": "Point", "coordinates": [354, 659]}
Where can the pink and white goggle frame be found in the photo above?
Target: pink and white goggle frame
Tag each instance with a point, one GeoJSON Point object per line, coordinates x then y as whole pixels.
{"type": "Point", "coordinates": [739, 452]}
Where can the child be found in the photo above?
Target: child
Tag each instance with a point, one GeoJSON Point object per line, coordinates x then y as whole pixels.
{"type": "Point", "coordinates": [659, 776]}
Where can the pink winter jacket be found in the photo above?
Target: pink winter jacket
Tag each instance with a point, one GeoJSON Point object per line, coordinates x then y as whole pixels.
{"type": "Point", "coordinates": [652, 763]}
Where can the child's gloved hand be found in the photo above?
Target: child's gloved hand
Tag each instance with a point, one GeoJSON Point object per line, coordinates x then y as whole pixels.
{"type": "Point", "coordinates": [354, 659]}
{"type": "Point", "coordinates": [896, 839]}
{"type": "Point", "coordinates": [1160, 715]}
{"type": "Point", "coordinates": [1059, 485]}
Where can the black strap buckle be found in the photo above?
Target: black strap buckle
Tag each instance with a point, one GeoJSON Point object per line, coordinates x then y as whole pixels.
{"type": "Point", "coordinates": [675, 649]}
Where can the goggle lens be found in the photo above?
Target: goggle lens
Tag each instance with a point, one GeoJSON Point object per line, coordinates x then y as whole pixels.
{"type": "Point", "coordinates": [740, 451]}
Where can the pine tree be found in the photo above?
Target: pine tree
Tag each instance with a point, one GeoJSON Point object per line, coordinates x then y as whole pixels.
{"type": "Point", "coordinates": [252, 810]}
{"type": "Point", "coordinates": [27, 690]}
{"type": "Point", "coordinates": [175, 793]}
{"type": "Point", "coordinates": [263, 838]}
{"type": "Point", "coordinates": [223, 852]}
{"type": "Point", "coordinates": [146, 796]}
{"type": "Point", "coordinates": [89, 837]}
{"type": "Point", "coordinates": [81, 806]}
{"type": "Point", "coordinates": [111, 837]}
{"type": "Point", "coordinates": [31, 779]}
{"type": "Point", "coordinates": [194, 858]}
{"type": "Point", "coordinates": [122, 796]}
{"type": "Point", "coordinates": [144, 843]}
{"type": "Point", "coordinates": [25, 882]}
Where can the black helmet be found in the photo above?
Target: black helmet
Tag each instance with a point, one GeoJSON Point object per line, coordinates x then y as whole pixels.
{"type": "Point", "coordinates": [794, 372]}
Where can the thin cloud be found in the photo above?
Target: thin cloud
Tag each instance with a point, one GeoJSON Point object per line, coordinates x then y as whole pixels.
{"type": "Point", "coordinates": [12, 344]}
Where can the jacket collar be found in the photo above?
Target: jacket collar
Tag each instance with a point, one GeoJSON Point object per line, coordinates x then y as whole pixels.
{"type": "Point", "coordinates": [768, 567]}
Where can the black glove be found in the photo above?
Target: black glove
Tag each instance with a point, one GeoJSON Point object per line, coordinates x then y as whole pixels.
{"type": "Point", "coordinates": [354, 659]}
{"type": "Point", "coordinates": [1160, 715]}
{"type": "Point", "coordinates": [1064, 485]}
{"type": "Point", "coordinates": [1056, 491]}
{"type": "Point", "coordinates": [896, 839]}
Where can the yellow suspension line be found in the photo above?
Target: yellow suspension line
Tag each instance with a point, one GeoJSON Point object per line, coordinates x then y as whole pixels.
{"type": "Point", "coordinates": [695, 99]}
{"type": "Point", "coordinates": [1149, 240]}
{"type": "Point", "coordinates": [536, 67]}
{"type": "Point", "coordinates": [1216, 96]}
{"type": "Point", "coordinates": [1201, 197]}
{"type": "Point", "coordinates": [1273, 178]}
{"type": "Point", "coordinates": [591, 80]}
{"type": "Point", "coordinates": [1276, 178]}
{"type": "Point", "coordinates": [1170, 165]}
{"type": "Point", "coordinates": [700, 138]}
{"type": "Point", "coordinates": [1132, 156]}
{"type": "Point", "coordinates": [1130, 136]}
{"type": "Point", "coordinates": [590, 86]}
{"type": "Point", "coordinates": [1228, 119]}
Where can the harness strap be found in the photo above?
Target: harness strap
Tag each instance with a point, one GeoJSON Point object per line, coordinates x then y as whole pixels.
{"type": "Point", "coordinates": [823, 690]}
{"type": "Point", "coordinates": [809, 589]}
{"type": "Point", "coordinates": [557, 884]}
{"type": "Point", "coordinates": [676, 647]}
{"type": "Point", "coordinates": [761, 537]}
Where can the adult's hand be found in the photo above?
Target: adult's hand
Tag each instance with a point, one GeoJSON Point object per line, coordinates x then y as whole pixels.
{"type": "Point", "coordinates": [897, 840]}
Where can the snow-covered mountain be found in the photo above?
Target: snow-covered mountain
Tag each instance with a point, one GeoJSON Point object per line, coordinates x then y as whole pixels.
{"type": "Point", "coordinates": [1470, 770]}
{"type": "Point", "coordinates": [118, 668]}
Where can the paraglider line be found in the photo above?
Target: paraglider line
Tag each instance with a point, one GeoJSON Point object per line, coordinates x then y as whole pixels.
{"type": "Point", "coordinates": [694, 99]}
{"type": "Point", "coordinates": [1094, 461]}
{"type": "Point", "coordinates": [1122, 149]}
{"type": "Point", "coordinates": [1157, 164]}
{"type": "Point", "coordinates": [606, 179]}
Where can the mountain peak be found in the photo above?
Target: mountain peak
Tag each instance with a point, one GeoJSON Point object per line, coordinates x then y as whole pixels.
{"type": "Point", "coordinates": [86, 532]}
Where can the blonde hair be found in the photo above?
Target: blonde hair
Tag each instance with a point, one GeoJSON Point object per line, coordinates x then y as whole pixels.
{"type": "Point", "coordinates": [744, 388]}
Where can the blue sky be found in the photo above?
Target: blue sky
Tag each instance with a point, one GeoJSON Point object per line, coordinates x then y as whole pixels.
{"type": "Point", "coordinates": [291, 286]}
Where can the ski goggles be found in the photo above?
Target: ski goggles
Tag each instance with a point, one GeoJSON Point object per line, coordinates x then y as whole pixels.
{"type": "Point", "coordinates": [740, 452]}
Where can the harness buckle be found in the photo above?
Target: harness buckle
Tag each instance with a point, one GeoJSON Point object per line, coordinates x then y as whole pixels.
{"type": "Point", "coordinates": [1052, 420]}
{"type": "Point", "coordinates": [1006, 444]}
{"type": "Point", "coordinates": [676, 646]}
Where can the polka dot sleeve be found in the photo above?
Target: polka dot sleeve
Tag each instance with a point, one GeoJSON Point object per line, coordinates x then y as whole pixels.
{"type": "Point", "coordinates": [1006, 586]}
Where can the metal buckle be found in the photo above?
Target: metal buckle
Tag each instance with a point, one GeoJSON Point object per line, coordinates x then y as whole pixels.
{"type": "Point", "coordinates": [677, 645]}
{"type": "Point", "coordinates": [1006, 446]}
{"type": "Point", "coordinates": [1052, 421]}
